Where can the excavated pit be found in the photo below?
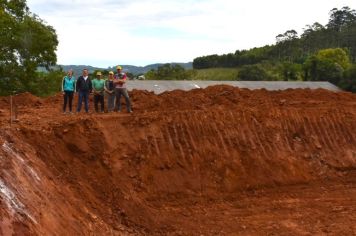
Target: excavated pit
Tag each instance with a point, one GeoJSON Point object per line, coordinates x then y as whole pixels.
{"type": "Point", "coordinates": [215, 161]}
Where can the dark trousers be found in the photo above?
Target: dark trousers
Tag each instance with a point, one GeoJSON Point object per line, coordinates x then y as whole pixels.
{"type": "Point", "coordinates": [83, 95]}
{"type": "Point", "coordinates": [123, 92]}
{"type": "Point", "coordinates": [68, 98]}
{"type": "Point", "coordinates": [99, 99]}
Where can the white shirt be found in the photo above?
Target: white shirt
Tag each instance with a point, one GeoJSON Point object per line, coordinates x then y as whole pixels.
{"type": "Point", "coordinates": [85, 78]}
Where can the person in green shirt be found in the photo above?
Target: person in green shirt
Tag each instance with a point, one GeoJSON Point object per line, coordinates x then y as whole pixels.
{"type": "Point", "coordinates": [98, 90]}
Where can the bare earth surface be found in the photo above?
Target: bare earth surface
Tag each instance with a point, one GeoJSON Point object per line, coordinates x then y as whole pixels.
{"type": "Point", "coordinates": [214, 161]}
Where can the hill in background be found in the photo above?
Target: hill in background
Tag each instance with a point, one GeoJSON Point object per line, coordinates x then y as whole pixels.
{"type": "Point", "coordinates": [136, 70]}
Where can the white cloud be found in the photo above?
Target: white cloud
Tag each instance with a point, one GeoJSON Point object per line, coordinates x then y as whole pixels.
{"type": "Point", "coordinates": [105, 33]}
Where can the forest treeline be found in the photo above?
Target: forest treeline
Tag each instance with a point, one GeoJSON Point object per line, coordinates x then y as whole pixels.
{"type": "Point", "coordinates": [315, 54]}
{"type": "Point", "coordinates": [339, 32]}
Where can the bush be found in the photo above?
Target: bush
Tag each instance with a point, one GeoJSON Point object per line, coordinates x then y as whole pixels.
{"type": "Point", "coordinates": [348, 82]}
{"type": "Point", "coordinates": [290, 71]}
{"type": "Point", "coordinates": [167, 72]}
{"type": "Point", "coordinates": [253, 73]}
{"type": "Point", "coordinates": [214, 74]}
{"type": "Point", "coordinates": [327, 65]}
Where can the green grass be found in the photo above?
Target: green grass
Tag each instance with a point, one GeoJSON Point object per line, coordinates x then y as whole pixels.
{"type": "Point", "coordinates": [214, 74]}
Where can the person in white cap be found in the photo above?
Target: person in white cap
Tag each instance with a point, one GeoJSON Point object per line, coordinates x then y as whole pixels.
{"type": "Point", "coordinates": [120, 89]}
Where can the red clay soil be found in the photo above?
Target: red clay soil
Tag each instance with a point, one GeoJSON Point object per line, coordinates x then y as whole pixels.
{"type": "Point", "coordinates": [218, 161]}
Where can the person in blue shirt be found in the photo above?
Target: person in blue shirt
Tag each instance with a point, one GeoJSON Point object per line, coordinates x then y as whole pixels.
{"type": "Point", "coordinates": [68, 89]}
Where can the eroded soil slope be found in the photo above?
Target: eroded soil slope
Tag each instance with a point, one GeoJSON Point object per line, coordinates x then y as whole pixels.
{"type": "Point", "coordinates": [218, 161]}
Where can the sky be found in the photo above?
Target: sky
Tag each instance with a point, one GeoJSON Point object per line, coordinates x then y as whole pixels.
{"type": "Point", "coordinates": [105, 33]}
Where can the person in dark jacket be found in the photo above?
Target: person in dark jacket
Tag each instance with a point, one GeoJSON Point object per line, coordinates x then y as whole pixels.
{"type": "Point", "coordinates": [84, 88]}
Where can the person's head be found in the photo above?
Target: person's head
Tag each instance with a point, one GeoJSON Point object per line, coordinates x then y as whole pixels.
{"type": "Point", "coordinates": [98, 75]}
{"type": "Point", "coordinates": [111, 75]}
{"type": "Point", "coordinates": [85, 72]}
{"type": "Point", "coordinates": [118, 68]}
{"type": "Point", "coordinates": [70, 72]}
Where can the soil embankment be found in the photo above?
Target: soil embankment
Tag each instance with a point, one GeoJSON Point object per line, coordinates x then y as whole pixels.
{"type": "Point", "coordinates": [215, 161]}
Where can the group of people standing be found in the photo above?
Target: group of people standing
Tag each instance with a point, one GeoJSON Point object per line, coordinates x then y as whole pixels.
{"type": "Point", "coordinates": [112, 88]}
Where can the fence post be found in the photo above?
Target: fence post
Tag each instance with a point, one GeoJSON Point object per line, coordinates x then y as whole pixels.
{"type": "Point", "coordinates": [11, 110]}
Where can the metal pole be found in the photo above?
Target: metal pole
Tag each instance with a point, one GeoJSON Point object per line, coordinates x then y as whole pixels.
{"type": "Point", "coordinates": [10, 110]}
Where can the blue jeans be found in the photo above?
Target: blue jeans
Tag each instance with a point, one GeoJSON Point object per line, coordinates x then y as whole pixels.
{"type": "Point", "coordinates": [123, 92]}
{"type": "Point", "coordinates": [83, 95]}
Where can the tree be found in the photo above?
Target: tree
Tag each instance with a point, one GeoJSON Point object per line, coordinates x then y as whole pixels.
{"type": "Point", "coordinates": [287, 36]}
{"type": "Point", "coordinates": [327, 65]}
{"type": "Point", "coordinates": [335, 55]}
{"type": "Point", "coordinates": [46, 83]}
{"type": "Point", "coordinates": [129, 75]}
{"type": "Point", "coordinates": [290, 71]}
{"type": "Point", "coordinates": [329, 71]}
{"type": "Point", "coordinates": [341, 18]}
{"type": "Point", "coordinates": [210, 61]}
{"type": "Point", "coordinates": [348, 82]}
{"type": "Point", "coordinates": [338, 22]}
{"type": "Point", "coordinates": [26, 42]}
{"type": "Point", "coordinates": [167, 72]}
{"type": "Point", "coordinates": [288, 45]}
{"type": "Point", "coordinates": [252, 73]}
{"type": "Point", "coordinates": [150, 75]}
{"type": "Point", "coordinates": [312, 38]}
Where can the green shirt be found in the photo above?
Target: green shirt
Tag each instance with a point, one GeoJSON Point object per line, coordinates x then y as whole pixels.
{"type": "Point", "coordinates": [98, 84]}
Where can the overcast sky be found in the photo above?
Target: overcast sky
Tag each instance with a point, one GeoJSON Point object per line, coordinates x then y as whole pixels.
{"type": "Point", "coordinates": [140, 32]}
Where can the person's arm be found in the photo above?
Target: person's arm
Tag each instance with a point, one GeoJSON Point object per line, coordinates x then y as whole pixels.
{"type": "Point", "coordinates": [123, 79]}
{"type": "Point", "coordinates": [93, 87]}
{"type": "Point", "coordinates": [116, 80]}
{"type": "Point", "coordinates": [90, 86]}
{"type": "Point", "coordinates": [63, 81]}
{"type": "Point", "coordinates": [77, 85]}
{"type": "Point", "coordinates": [105, 87]}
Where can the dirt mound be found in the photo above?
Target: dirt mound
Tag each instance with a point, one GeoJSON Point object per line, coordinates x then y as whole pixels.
{"type": "Point", "coordinates": [22, 100]}
{"type": "Point", "coordinates": [215, 161]}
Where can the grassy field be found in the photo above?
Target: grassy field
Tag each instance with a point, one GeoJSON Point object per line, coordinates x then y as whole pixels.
{"type": "Point", "coordinates": [214, 74]}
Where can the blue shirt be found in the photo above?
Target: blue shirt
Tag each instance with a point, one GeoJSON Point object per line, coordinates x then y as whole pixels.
{"type": "Point", "coordinates": [68, 83]}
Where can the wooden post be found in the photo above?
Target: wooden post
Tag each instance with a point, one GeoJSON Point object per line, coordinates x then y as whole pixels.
{"type": "Point", "coordinates": [10, 110]}
{"type": "Point", "coordinates": [15, 111]}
